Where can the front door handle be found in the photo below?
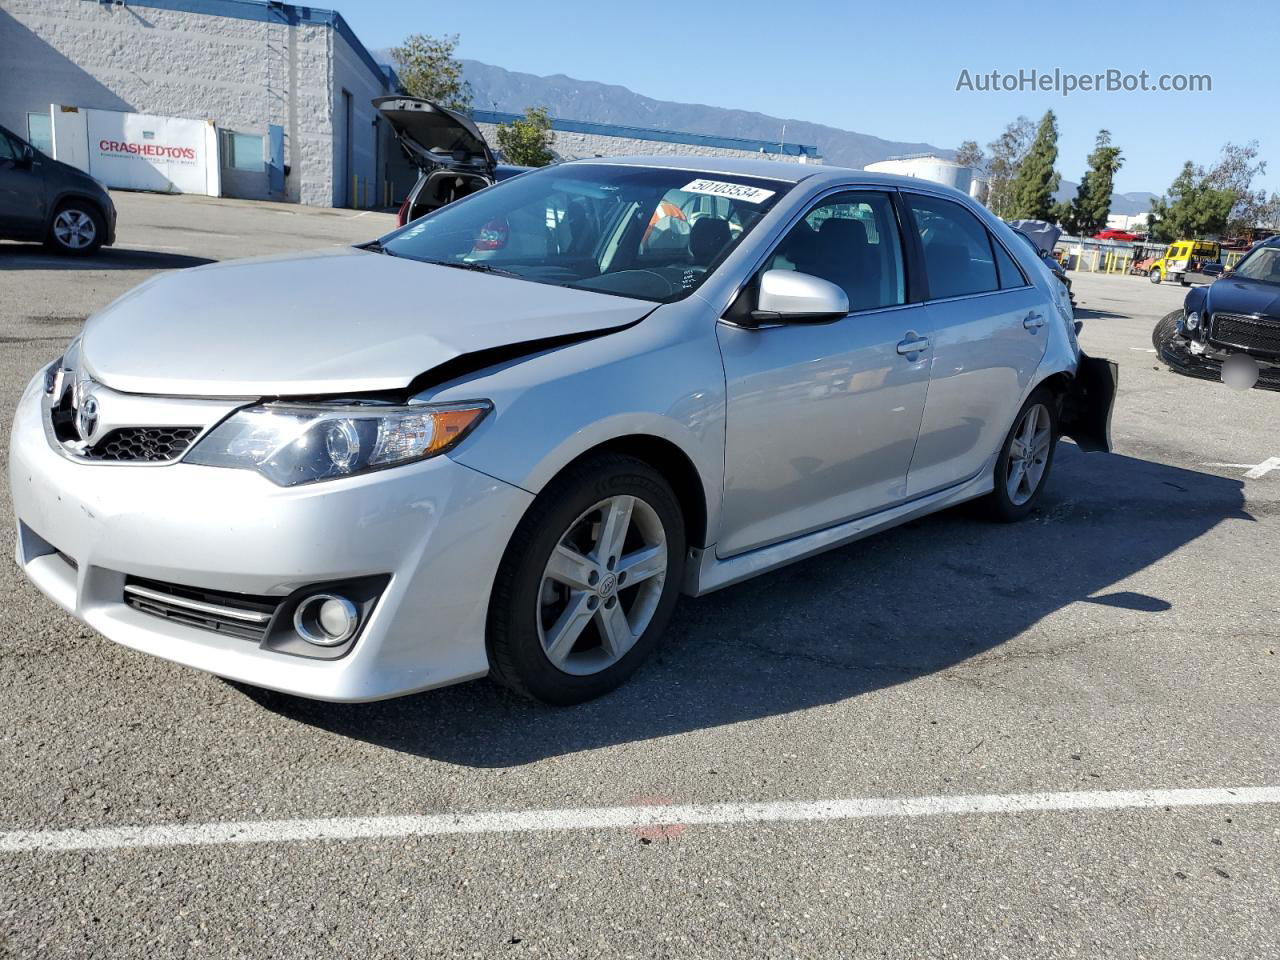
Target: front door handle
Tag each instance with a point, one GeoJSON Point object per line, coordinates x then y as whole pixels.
{"type": "Point", "coordinates": [913, 344]}
{"type": "Point", "coordinates": [1033, 321]}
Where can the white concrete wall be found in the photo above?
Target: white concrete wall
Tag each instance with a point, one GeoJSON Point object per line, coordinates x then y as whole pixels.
{"type": "Point", "coordinates": [575, 146]}
{"type": "Point", "coordinates": [242, 74]}
{"type": "Point", "coordinates": [350, 73]}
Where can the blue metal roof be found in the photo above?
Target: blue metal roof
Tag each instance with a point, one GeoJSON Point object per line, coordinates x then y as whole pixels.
{"type": "Point", "coordinates": [661, 136]}
{"type": "Point", "coordinates": [273, 11]}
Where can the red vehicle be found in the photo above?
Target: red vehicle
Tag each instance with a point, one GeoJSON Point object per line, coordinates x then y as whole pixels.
{"type": "Point", "coordinates": [1115, 235]}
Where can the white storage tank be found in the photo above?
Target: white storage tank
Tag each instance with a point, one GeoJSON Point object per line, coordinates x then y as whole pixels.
{"type": "Point", "coordinates": [927, 167]}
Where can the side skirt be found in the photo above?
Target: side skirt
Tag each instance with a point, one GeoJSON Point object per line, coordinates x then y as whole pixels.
{"type": "Point", "coordinates": [705, 572]}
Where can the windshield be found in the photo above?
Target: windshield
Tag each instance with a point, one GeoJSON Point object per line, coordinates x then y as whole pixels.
{"type": "Point", "coordinates": [653, 234]}
{"type": "Point", "coordinates": [1263, 264]}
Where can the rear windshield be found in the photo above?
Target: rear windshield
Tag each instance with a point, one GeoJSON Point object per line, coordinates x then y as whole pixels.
{"type": "Point", "coordinates": [652, 234]}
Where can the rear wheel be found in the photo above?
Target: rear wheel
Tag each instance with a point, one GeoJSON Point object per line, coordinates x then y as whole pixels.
{"type": "Point", "coordinates": [1026, 458]}
{"type": "Point", "coordinates": [1155, 275]}
{"type": "Point", "coordinates": [77, 229]}
{"type": "Point", "coordinates": [588, 582]}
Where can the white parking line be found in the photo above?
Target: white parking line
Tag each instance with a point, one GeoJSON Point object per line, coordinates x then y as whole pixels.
{"type": "Point", "coordinates": [1255, 470]}
{"type": "Point", "coordinates": [616, 818]}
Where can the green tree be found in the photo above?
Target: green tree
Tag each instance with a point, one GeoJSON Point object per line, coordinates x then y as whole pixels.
{"type": "Point", "coordinates": [969, 154]}
{"type": "Point", "coordinates": [1191, 208]}
{"type": "Point", "coordinates": [1237, 165]}
{"type": "Point", "coordinates": [1216, 201]}
{"type": "Point", "coordinates": [1031, 193]}
{"type": "Point", "coordinates": [527, 141]}
{"type": "Point", "coordinates": [1092, 203]}
{"type": "Point", "coordinates": [1007, 153]}
{"type": "Point", "coordinates": [1063, 214]}
{"type": "Point", "coordinates": [428, 69]}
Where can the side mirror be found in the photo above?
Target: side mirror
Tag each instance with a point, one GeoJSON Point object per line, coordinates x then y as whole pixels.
{"type": "Point", "coordinates": [786, 296]}
{"type": "Point", "coordinates": [27, 157]}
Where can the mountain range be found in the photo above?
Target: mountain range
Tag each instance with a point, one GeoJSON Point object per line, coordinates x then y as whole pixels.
{"type": "Point", "coordinates": [509, 91]}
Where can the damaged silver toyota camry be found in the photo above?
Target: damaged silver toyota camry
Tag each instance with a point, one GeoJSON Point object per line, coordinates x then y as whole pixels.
{"type": "Point", "coordinates": [502, 439]}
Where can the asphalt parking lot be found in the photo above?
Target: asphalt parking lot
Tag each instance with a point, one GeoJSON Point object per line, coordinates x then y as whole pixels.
{"type": "Point", "coordinates": [1042, 698]}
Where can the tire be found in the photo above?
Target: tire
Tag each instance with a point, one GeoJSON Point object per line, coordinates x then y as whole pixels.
{"type": "Point", "coordinates": [1155, 275]}
{"type": "Point", "coordinates": [1166, 329]}
{"type": "Point", "coordinates": [1001, 504]}
{"type": "Point", "coordinates": [560, 634]}
{"type": "Point", "coordinates": [76, 230]}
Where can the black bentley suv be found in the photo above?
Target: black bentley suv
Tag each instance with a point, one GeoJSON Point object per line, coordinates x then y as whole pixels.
{"type": "Point", "coordinates": [1238, 313]}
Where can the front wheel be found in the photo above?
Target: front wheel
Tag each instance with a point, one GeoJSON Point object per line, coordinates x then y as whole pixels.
{"type": "Point", "coordinates": [1165, 330]}
{"type": "Point", "coordinates": [1022, 469]}
{"type": "Point", "coordinates": [77, 229]}
{"type": "Point", "coordinates": [588, 582]}
{"type": "Point", "coordinates": [1155, 275]}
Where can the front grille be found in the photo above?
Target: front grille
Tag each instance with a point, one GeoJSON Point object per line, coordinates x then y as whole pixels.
{"type": "Point", "coordinates": [233, 614]}
{"type": "Point", "coordinates": [143, 444]}
{"type": "Point", "coordinates": [1247, 333]}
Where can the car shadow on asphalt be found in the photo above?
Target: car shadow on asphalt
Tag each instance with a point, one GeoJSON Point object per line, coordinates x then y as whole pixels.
{"type": "Point", "coordinates": [32, 256]}
{"type": "Point", "coordinates": [883, 611]}
{"type": "Point", "coordinates": [1084, 313]}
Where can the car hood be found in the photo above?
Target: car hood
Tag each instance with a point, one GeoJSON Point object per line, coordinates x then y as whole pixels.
{"type": "Point", "coordinates": [434, 135]}
{"type": "Point", "coordinates": [1248, 297]}
{"type": "Point", "coordinates": [343, 321]}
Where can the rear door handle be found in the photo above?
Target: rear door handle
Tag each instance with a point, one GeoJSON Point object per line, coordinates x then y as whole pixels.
{"type": "Point", "coordinates": [913, 344]}
{"type": "Point", "coordinates": [1033, 321]}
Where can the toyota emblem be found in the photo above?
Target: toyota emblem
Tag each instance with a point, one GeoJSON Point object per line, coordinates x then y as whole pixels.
{"type": "Point", "coordinates": [87, 417]}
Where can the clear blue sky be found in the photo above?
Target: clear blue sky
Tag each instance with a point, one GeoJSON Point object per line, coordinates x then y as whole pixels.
{"type": "Point", "coordinates": [890, 68]}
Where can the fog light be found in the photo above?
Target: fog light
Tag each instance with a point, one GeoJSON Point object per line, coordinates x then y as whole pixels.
{"type": "Point", "coordinates": [326, 619]}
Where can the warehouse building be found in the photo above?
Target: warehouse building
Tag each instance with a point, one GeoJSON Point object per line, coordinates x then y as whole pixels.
{"type": "Point", "coordinates": [241, 98]}
{"type": "Point", "coordinates": [256, 99]}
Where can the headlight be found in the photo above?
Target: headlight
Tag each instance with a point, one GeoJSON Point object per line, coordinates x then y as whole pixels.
{"type": "Point", "coordinates": [291, 444]}
{"type": "Point", "coordinates": [1192, 321]}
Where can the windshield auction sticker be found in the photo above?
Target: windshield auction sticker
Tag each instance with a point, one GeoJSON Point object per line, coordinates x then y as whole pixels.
{"type": "Point", "coordinates": [734, 191]}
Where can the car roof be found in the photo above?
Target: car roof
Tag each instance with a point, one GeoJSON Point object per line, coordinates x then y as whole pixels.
{"type": "Point", "coordinates": [768, 169]}
{"type": "Point", "coordinates": [746, 167]}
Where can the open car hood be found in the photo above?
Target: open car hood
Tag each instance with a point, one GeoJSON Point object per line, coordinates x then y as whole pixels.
{"type": "Point", "coordinates": [1040, 232]}
{"type": "Point", "coordinates": [330, 323]}
{"type": "Point", "coordinates": [435, 136]}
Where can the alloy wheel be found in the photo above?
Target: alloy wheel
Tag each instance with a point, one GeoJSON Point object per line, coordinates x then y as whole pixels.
{"type": "Point", "coordinates": [74, 229]}
{"type": "Point", "coordinates": [1028, 454]}
{"type": "Point", "coordinates": [602, 585]}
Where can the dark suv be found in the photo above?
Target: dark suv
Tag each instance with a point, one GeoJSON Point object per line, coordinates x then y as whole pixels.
{"type": "Point", "coordinates": [1238, 313]}
{"type": "Point", "coordinates": [46, 200]}
{"type": "Point", "coordinates": [450, 152]}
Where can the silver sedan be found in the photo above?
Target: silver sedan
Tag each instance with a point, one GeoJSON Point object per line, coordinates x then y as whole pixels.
{"type": "Point", "coordinates": [502, 439]}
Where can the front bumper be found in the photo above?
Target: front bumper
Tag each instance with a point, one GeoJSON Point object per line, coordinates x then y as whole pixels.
{"type": "Point", "coordinates": [437, 528]}
{"type": "Point", "coordinates": [1176, 354]}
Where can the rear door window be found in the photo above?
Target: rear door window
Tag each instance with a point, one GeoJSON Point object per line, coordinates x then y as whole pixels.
{"type": "Point", "coordinates": [958, 258]}
{"type": "Point", "coordinates": [1011, 274]}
